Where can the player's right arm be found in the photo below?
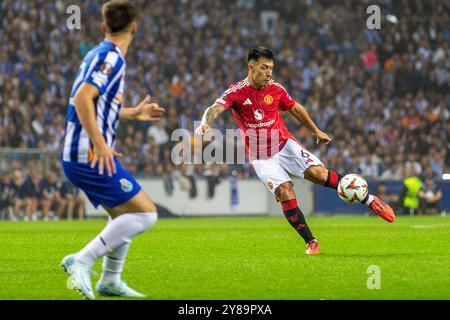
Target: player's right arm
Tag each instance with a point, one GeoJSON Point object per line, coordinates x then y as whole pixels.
{"type": "Point", "coordinates": [85, 108]}
{"type": "Point", "coordinates": [225, 101]}
{"type": "Point", "coordinates": [208, 118]}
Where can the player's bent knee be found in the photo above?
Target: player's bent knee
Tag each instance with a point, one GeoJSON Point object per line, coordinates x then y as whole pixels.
{"type": "Point", "coordinates": [285, 191]}
{"type": "Point", "coordinates": [147, 220]}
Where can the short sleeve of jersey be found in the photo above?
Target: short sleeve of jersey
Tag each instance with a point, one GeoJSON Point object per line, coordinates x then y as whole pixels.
{"type": "Point", "coordinates": [103, 69]}
{"type": "Point", "coordinates": [227, 99]}
{"type": "Point", "coordinates": [286, 102]}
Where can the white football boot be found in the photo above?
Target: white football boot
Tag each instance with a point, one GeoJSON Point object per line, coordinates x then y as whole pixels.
{"type": "Point", "coordinates": [117, 290]}
{"type": "Point", "coordinates": [79, 276]}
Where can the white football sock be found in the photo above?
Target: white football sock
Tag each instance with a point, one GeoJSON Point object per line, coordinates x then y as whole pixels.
{"type": "Point", "coordinates": [369, 200]}
{"type": "Point", "coordinates": [113, 264]}
{"type": "Point", "coordinates": [118, 232]}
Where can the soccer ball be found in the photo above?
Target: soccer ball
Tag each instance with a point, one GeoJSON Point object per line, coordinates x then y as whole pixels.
{"type": "Point", "coordinates": [352, 188]}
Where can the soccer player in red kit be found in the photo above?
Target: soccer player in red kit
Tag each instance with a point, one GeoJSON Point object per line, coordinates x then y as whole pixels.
{"type": "Point", "coordinates": [273, 152]}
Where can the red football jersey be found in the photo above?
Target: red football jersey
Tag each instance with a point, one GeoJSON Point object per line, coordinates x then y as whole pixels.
{"type": "Point", "coordinates": [257, 115]}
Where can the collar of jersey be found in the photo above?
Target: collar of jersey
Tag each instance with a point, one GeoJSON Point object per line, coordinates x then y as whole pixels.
{"type": "Point", "coordinates": [114, 45]}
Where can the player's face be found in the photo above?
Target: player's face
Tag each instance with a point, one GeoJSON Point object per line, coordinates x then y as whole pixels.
{"type": "Point", "coordinates": [261, 71]}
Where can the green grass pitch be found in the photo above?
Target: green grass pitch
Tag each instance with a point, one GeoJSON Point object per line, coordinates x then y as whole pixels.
{"type": "Point", "coordinates": [242, 258]}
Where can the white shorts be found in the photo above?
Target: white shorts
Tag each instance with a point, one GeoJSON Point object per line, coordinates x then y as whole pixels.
{"type": "Point", "coordinates": [293, 159]}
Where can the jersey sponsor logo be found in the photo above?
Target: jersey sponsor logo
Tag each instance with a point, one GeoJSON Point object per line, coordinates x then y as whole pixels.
{"type": "Point", "coordinates": [261, 124]}
{"type": "Point", "coordinates": [259, 115]}
{"type": "Point", "coordinates": [268, 99]}
{"type": "Point", "coordinates": [126, 185]}
{"type": "Point", "coordinates": [247, 102]}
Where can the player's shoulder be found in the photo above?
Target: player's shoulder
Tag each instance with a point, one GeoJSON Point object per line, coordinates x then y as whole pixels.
{"type": "Point", "coordinates": [273, 85]}
{"type": "Point", "coordinates": [106, 53]}
{"type": "Point", "coordinates": [238, 86]}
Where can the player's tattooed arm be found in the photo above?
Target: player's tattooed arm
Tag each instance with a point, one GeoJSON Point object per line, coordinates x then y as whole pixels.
{"type": "Point", "coordinates": [302, 115]}
{"type": "Point", "coordinates": [208, 118]}
{"type": "Point", "coordinates": [212, 113]}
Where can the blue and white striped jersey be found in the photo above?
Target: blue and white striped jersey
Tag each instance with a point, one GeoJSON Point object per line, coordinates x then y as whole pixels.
{"type": "Point", "coordinates": [103, 67]}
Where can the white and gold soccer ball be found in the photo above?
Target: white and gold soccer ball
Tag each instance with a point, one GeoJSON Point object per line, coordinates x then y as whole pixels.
{"type": "Point", "coordinates": [352, 188]}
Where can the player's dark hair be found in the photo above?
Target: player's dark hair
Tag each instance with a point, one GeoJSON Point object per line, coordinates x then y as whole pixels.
{"type": "Point", "coordinates": [118, 15]}
{"type": "Point", "coordinates": [260, 52]}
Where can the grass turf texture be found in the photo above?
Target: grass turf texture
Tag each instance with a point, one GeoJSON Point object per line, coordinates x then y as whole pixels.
{"type": "Point", "coordinates": [241, 258]}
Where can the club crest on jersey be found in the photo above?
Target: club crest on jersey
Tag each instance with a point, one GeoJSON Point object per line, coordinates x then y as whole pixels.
{"type": "Point", "coordinates": [126, 185]}
{"type": "Point", "coordinates": [268, 99]}
{"type": "Point", "coordinates": [259, 115]}
{"type": "Point", "coordinates": [106, 68]}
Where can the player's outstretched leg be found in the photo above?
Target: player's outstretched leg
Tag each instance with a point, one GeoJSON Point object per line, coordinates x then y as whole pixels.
{"type": "Point", "coordinates": [328, 178]}
{"type": "Point", "coordinates": [128, 220]}
{"type": "Point", "coordinates": [285, 193]}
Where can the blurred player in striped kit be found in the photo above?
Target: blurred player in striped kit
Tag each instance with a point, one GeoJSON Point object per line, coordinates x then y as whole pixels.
{"type": "Point", "coordinates": [90, 162]}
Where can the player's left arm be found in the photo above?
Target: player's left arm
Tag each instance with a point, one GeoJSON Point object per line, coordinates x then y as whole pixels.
{"type": "Point", "coordinates": [302, 115]}
{"type": "Point", "coordinates": [145, 111]}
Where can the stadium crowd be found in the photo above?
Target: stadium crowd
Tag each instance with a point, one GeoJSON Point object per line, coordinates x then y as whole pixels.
{"type": "Point", "coordinates": [383, 95]}
{"type": "Point", "coordinates": [52, 197]}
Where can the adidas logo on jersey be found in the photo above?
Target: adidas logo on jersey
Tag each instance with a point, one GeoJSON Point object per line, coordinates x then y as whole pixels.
{"type": "Point", "coordinates": [247, 102]}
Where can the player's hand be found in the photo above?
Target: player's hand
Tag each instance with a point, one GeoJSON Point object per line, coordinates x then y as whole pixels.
{"type": "Point", "coordinates": [104, 156]}
{"type": "Point", "coordinates": [322, 137]}
{"type": "Point", "coordinates": [202, 129]}
{"type": "Point", "coordinates": [147, 111]}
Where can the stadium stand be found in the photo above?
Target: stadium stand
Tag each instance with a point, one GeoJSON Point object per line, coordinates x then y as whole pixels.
{"type": "Point", "coordinates": [383, 95]}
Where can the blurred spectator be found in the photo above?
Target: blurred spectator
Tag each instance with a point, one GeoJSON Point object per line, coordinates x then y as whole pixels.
{"type": "Point", "coordinates": [389, 198]}
{"type": "Point", "coordinates": [370, 59]}
{"type": "Point", "coordinates": [73, 199]}
{"type": "Point", "coordinates": [213, 178]}
{"type": "Point", "coordinates": [50, 188]}
{"type": "Point", "coordinates": [430, 195]}
{"type": "Point", "coordinates": [34, 194]}
{"type": "Point", "coordinates": [168, 180]}
{"type": "Point", "coordinates": [20, 197]}
{"type": "Point", "coordinates": [158, 133]}
{"type": "Point", "coordinates": [6, 194]}
{"type": "Point", "coordinates": [409, 196]}
{"type": "Point", "coordinates": [269, 16]}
